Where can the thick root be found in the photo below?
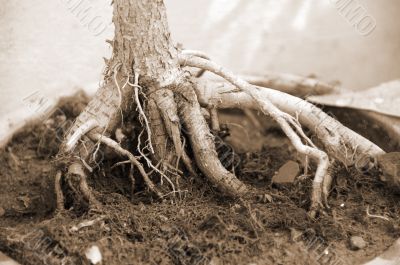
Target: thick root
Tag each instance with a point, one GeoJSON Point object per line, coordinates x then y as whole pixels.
{"type": "Point", "coordinates": [340, 142]}
{"type": "Point", "coordinates": [198, 54]}
{"type": "Point", "coordinates": [102, 115]}
{"type": "Point", "coordinates": [164, 99]}
{"type": "Point", "coordinates": [283, 119]}
{"type": "Point", "coordinates": [76, 169]}
{"type": "Point", "coordinates": [202, 142]}
{"type": "Point", "coordinates": [163, 151]}
{"type": "Point", "coordinates": [77, 181]}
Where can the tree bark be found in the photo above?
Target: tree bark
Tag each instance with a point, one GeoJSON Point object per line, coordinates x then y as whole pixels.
{"type": "Point", "coordinates": [142, 42]}
{"type": "Point", "coordinates": [142, 47]}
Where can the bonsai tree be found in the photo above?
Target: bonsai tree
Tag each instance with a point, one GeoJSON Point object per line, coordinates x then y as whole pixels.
{"type": "Point", "coordinates": [146, 79]}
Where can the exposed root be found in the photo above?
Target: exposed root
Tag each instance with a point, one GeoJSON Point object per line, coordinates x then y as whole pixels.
{"type": "Point", "coordinates": [298, 86]}
{"type": "Point", "coordinates": [292, 84]}
{"type": "Point", "coordinates": [280, 117]}
{"type": "Point", "coordinates": [214, 119]}
{"type": "Point", "coordinates": [76, 170]}
{"type": "Point", "coordinates": [141, 112]}
{"type": "Point", "coordinates": [117, 148]}
{"type": "Point", "coordinates": [340, 142]}
{"type": "Point", "coordinates": [198, 54]}
{"type": "Point", "coordinates": [326, 186]}
{"type": "Point", "coordinates": [247, 112]}
{"type": "Point", "coordinates": [117, 67]}
{"type": "Point", "coordinates": [310, 116]}
{"type": "Point", "coordinates": [202, 142]}
{"type": "Point", "coordinates": [376, 216]}
{"type": "Point", "coordinates": [77, 135]}
{"type": "Point", "coordinates": [77, 181]}
{"type": "Point", "coordinates": [161, 145]}
{"type": "Point", "coordinates": [84, 224]}
{"type": "Point", "coordinates": [164, 99]}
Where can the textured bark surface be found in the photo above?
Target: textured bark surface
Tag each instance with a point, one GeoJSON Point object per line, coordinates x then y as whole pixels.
{"type": "Point", "coordinates": [142, 41]}
{"type": "Point", "coordinates": [142, 46]}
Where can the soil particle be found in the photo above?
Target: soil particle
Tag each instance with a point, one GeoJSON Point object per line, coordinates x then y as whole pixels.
{"type": "Point", "coordinates": [93, 255]}
{"type": "Point", "coordinates": [286, 173]}
{"type": "Point", "coordinates": [357, 242]}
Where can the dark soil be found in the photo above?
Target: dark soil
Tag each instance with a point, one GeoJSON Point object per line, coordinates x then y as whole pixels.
{"type": "Point", "coordinates": [198, 227]}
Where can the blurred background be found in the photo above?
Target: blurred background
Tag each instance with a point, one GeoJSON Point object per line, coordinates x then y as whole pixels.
{"type": "Point", "coordinates": [50, 48]}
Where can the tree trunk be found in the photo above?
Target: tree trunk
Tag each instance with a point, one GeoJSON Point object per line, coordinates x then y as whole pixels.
{"type": "Point", "coordinates": [142, 42]}
{"type": "Point", "coordinates": [142, 48]}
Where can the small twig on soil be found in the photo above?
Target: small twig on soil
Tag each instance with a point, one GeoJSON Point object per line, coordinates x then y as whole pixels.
{"type": "Point", "coordinates": [376, 216]}
{"type": "Point", "coordinates": [120, 163]}
{"type": "Point", "coordinates": [173, 192]}
{"type": "Point", "coordinates": [253, 220]}
{"type": "Point", "coordinates": [59, 193]}
{"type": "Point", "coordinates": [83, 224]}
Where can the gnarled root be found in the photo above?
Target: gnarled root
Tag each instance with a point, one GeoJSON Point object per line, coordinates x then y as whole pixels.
{"type": "Point", "coordinates": [180, 101]}
{"type": "Point", "coordinates": [164, 100]}
{"type": "Point", "coordinates": [286, 122]}
{"type": "Point", "coordinates": [76, 170]}
{"type": "Point", "coordinates": [77, 152]}
{"type": "Point", "coordinates": [202, 142]}
{"type": "Point", "coordinates": [340, 142]}
{"type": "Point", "coordinates": [77, 181]}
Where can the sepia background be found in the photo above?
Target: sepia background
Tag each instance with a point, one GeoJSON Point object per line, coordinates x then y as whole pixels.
{"type": "Point", "coordinates": [47, 50]}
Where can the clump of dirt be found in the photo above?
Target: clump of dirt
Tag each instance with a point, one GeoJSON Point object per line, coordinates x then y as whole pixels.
{"type": "Point", "coordinates": [198, 226]}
